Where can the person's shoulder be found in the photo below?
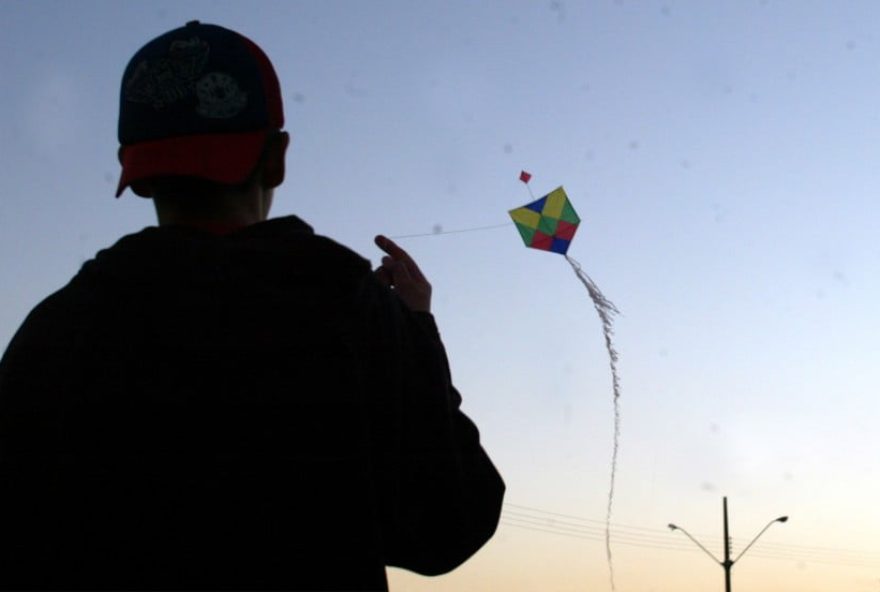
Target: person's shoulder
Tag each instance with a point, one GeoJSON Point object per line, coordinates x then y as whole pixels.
{"type": "Point", "coordinates": [55, 320]}
{"type": "Point", "coordinates": [74, 305]}
{"type": "Point", "coordinates": [300, 241]}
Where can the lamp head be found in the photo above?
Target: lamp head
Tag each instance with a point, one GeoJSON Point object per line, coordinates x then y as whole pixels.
{"type": "Point", "coordinates": [672, 527]}
{"type": "Point", "coordinates": [782, 519]}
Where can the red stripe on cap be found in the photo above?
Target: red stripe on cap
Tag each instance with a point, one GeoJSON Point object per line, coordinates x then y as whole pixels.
{"type": "Point", "coordinates": [223, 158]}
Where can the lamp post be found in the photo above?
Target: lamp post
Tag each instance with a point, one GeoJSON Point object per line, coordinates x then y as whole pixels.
{"type": "Point", "coordinates": [727, 564]}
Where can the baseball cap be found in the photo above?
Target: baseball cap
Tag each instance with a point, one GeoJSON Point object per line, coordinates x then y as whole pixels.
{"type": "Point", "coordinates": [197, 101]}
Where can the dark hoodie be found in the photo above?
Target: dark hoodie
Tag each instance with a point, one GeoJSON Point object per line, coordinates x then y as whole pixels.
{"type": "Point", "coordinates": [251, 410]}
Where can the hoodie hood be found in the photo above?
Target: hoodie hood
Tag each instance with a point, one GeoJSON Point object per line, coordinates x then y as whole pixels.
{"type": "Point", "coordinates": [159, 259]}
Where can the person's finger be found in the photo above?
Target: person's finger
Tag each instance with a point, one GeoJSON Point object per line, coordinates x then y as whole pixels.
{"type": "Point", "coordinates": [395, 272]}
{"type": "Point", "coordinates": [385, 243]}
{"type": "Point", "coordinates": [396, 252]}
{"type": "Point", "coordinates": [392, 248]}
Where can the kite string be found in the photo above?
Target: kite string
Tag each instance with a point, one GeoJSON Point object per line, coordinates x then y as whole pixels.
{"type": "Point", "coordinates": [456, 231]}
{"type": "Point", "coordinates": [459, 230]}
{"type": "Point", "coordinates": [606, 310]}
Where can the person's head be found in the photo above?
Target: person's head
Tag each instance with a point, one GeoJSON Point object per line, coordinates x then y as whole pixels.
{"type": "Point", "coordinates": [200, 122]}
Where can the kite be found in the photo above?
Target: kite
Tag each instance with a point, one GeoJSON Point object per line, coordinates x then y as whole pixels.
{"type": "Point", "coordinates": [549, 224]}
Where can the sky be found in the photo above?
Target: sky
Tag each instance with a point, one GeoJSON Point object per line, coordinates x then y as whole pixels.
{"type": "Point", "coordinates": [722, 157]}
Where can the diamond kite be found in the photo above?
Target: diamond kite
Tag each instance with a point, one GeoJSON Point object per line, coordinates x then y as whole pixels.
{"type": "Point", "coordinates": [548, 223]}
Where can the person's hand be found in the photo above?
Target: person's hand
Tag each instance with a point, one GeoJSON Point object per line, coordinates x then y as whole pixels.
{"type": "Point", "coordinates": [400, 273]}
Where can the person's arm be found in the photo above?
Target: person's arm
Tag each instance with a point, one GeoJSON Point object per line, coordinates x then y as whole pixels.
{"type": "Point", "coordinates": [34, 371]}
{"type": "Point", "coordinates": [440, 494]}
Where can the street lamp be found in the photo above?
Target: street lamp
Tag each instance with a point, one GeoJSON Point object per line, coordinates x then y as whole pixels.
{"type": "Point", "coordinates": [769, 524]}
{"type": "Point", "coordinates": [727, 564]}
{"type": "Point", "coordinates": [688, 535]}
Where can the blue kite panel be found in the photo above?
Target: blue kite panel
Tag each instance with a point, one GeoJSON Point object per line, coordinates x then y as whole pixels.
{"type": "Point", "coordinates": [538, 205]}
{"type": "Point", "coordinates": [560, 245]}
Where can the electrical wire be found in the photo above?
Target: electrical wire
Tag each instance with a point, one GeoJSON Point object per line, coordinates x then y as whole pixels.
{"type": "Point", "coordinates": [556, 523]}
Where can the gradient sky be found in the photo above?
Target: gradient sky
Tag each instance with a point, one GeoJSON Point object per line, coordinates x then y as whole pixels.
{"type": "Point", "coordinates": [723, 158]}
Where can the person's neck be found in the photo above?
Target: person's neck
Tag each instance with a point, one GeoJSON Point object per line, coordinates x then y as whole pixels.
{"type": "Point", "coordinates": [230, 212]}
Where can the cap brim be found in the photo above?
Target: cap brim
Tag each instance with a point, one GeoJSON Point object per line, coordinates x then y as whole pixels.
{"type": "Point", "coordinates": [223, 158]}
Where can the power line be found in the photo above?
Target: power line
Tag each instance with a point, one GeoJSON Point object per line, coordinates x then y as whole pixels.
{"type": "Point", "coordinates": [561, 524]}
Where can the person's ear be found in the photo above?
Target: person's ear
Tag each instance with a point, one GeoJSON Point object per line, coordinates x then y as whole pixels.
{"type": "Point", "coordinates": [273, 165]}
{"type": "Point", "coordinates": [142, 188]}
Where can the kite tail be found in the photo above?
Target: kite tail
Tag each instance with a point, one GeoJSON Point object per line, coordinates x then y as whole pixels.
{"type": "Point", "coordinates": [606, 310]}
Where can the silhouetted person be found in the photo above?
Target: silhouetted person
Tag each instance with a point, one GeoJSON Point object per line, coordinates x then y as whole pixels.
{"type": "Point", "coordinates": [224, 401]}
